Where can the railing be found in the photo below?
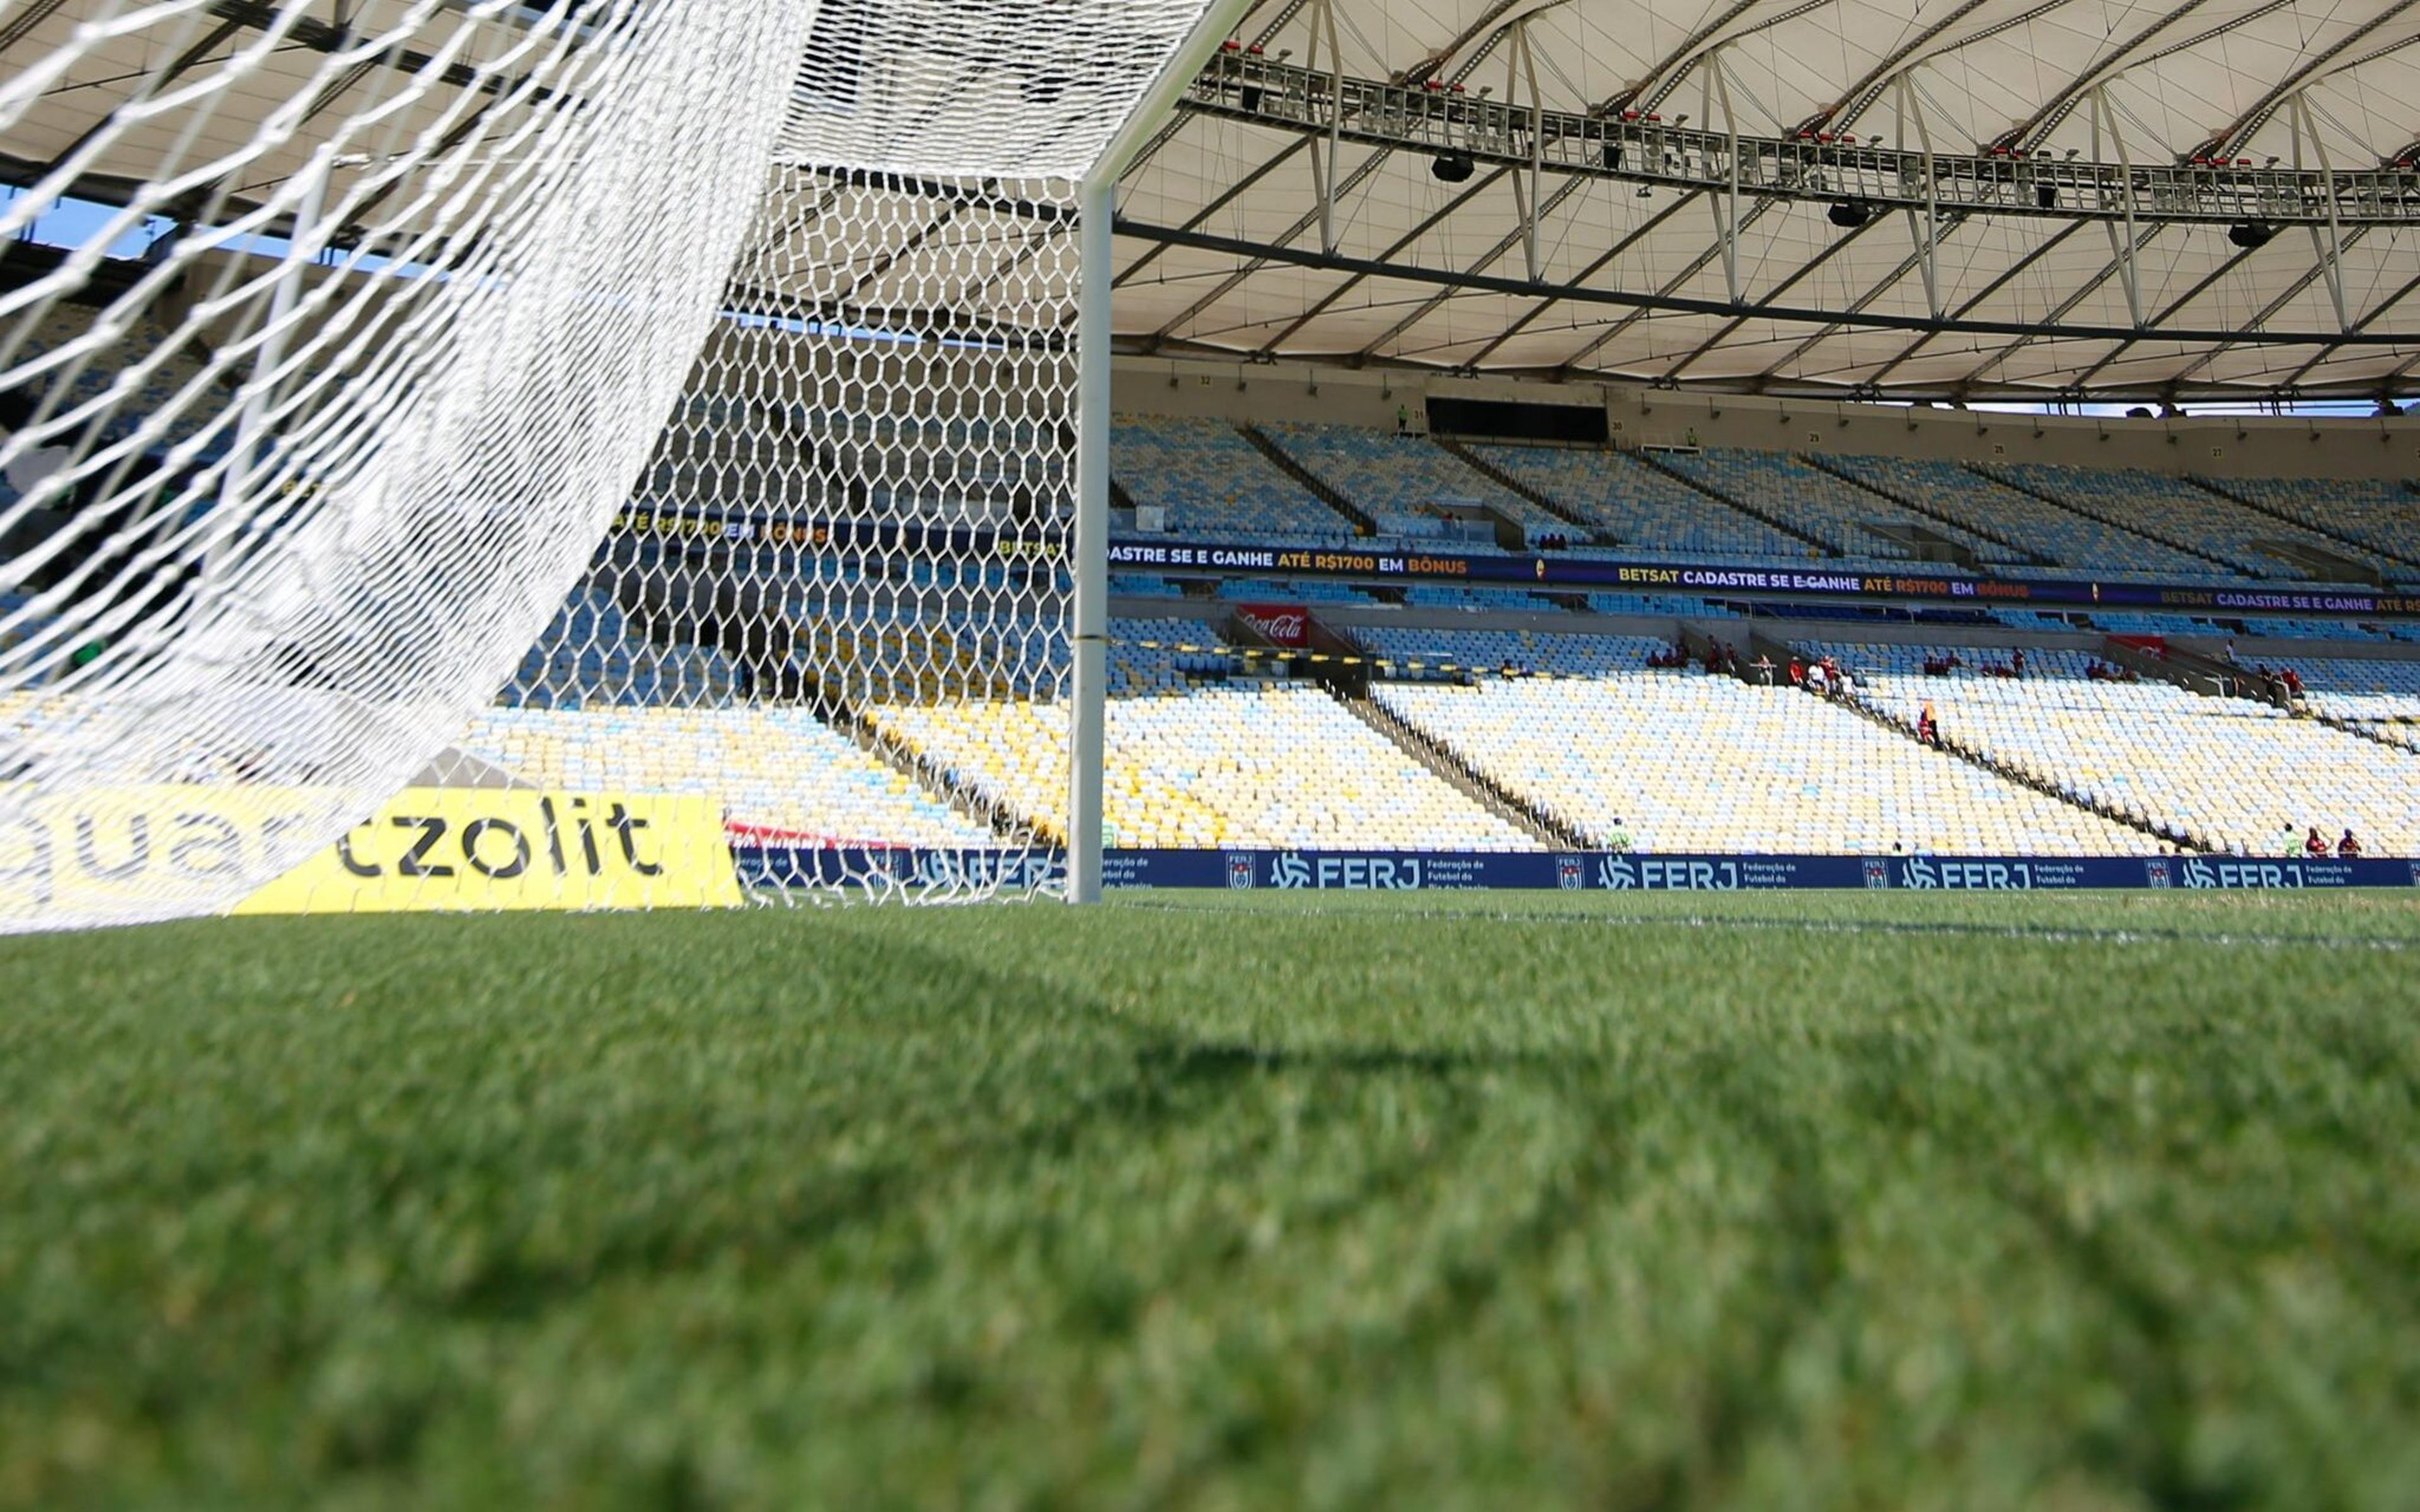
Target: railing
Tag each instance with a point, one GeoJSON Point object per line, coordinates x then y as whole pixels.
{"type": "Point", "coordinates": [1824, 167]}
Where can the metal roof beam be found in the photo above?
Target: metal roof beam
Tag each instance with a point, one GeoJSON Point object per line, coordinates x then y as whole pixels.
{"type": "Point", "coordinates": [2007, 276]}
{"type": "Point", "coordinates": [1601, 262]}
{"type": "Point", "coordinates": [1488, 259]}
{"type": "Point", "coordinates": [1676, 304]}
{"type": "Point", "coordinates": [2029, 133]}
{"type": "Point", "coordinates": [2050, 327]}
{"type": "Point", "coordinates": [1400, 244]}
{"type": "Point", "coordinates": [1663, 296]}
{"type": "Point", "coordinates": [1805, 271]}
{"type": "Point", "coordinates": [1909, 264]}
{"type": "Point", "coordinates": [2226, 143]}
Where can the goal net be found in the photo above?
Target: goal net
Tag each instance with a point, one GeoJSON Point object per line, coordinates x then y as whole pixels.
{"type": "Point", "coordinates": [608, 452]}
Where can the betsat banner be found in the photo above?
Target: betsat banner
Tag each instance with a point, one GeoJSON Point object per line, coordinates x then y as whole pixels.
{"type": "Point", "coordinates": [424, 849]}
{"type": "Point", "coordinates": [1300, 871]}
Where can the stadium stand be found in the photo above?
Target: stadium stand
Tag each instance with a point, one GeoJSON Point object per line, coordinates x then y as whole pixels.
{"type": "Point", "coordinates": [2172, 510]}
{"type": "Point", "coordinates": [1143, 659]}
{"type": "Point", "coordinates": [1637, 506]}
{"type": "Point", "coordinates": [2381, 697]}
{"type": "Point", "coordinates": [1836, 512]}
{"type": "Point", "coordinates": [1687, 762]}
{"type": "Point", "coordinates": [1213, 481]}
{"type": "Point", "coordinates": [1988, 506]}
{"type": "Point", "coordinates": [587, 655]}
{"type": "Point", "coordinates": [2233, 773]}
{"type": "Point", "coordinates": [1523, 650]}
{"type": "Point", "coordinates": [1282, 765]}
{"type": "Point", "coordinates": [150, 378]}
{"type": "Point", "coordinates": [1399, 475]}
{"type": "Point", "coordinates": [2383, 516]}
{"type": "Point", "coordinates": [779, 771]}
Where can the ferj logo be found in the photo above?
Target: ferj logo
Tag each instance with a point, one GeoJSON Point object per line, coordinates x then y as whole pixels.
{"type": "Point", "coordinates": [1290, 869]}
{"type": "Point", "coordinates": [1616, 874]}
{"type": "Point", "coordinates": [1239, 872]}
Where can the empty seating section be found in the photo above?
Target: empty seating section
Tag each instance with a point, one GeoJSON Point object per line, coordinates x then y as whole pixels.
{"type": "Point", "coordinates": [1639, 506]}
{"type": "Point", "coordinates": [2286, 630]}
{"type": "Point", "coordinates": [1284, 765]}
{"type": "Point", "coordinates": [2034, 524]}
{"type": "Point", "coordinates": [2227, 771]}
{"type": "Point", "coordinates": [1387, 475]}
{"type": "Point", "coordinates": [1828, 508]}
{"type": "Point", "coordinates": [587, 655]}
{"type": "Point", "coordinates": [1576, 655]}
{"type": "Point", "coordinates": [2385, 515]}
{"type": "Point", "coordinates": [1300, 591]}
{"type": "Point", "coordinates": [2382, 697]}
{"type": "Point", "coordinates": [145, 392]}
{"type": "Point", "coordinates": [1144, 655]}
{"type": "Point", "coordinates": [936, 467]}
{"type": "Point", "coordinates": [1437, 595]}
{"type": "Point", "coordinates": [1687, 763]}
{"type": "Point", "coordinates": [1657, 604]}
{"type": "Point", "coordinates": [776, 770]}
{"type": "Point", "coordinates": [911, 649]}
{"type": "Point", "coordinates": [19, 624]}
{"type": "Point", "coordinates": [1213, 481]}
{"type": "Point", "coordinates": [2173, 510]}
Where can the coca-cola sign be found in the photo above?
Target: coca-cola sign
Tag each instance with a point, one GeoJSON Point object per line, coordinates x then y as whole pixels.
{"type": "Point", "coordinates": [1284, 625]}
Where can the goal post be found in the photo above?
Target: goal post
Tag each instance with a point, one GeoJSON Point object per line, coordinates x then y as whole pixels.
{"type": "Point", "coordinates": [1096, 219]}
{"type": "Point", "coordinates": [623, 426]}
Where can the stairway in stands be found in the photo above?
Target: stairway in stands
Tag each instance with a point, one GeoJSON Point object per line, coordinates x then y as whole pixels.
{"type": "Point", "coordinates": [1310, 481]}
{"type": "Point", "coordinates": [1493, 796]}
{"type": "Point", "coordinates": [2025, 777]}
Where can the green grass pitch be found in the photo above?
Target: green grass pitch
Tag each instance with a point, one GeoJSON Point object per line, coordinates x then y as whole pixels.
{"type": "Point", "coordinates": [1863, 1201]}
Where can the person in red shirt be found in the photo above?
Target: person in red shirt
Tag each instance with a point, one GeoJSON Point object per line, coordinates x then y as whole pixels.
{"type": "Point", "coordinates": [1797, 672]}
{"type": "Point", "coordinates": [2349, 848]}
{"type": "Point", "coordinates": [2313, 845]}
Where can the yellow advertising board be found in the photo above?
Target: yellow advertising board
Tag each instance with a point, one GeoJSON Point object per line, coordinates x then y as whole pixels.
{"type": "Point", "coordinates": [126, 852]}
{"type": "Point", "coordinates": [477, 849]}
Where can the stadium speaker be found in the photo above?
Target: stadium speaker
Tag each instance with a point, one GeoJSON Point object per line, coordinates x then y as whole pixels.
{"type": "Point", "coordinates": [2046, 196]}
{"type": "Point", "coordinates": [1453, 167]}
{"type": "Point", "coordinates": [2251, 234]}
{"type": "Point", "coordinates": [1613, 155]}
{"type": "Point", "coordinates": [1850, 214]}
{"type": "Point", "coordinates": [1252, 98]}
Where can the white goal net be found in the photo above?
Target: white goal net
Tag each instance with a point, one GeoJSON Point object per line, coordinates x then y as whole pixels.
{"type": "Point", "coordinates": [639, 433]}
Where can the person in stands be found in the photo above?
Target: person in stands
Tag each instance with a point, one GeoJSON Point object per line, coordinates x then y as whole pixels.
{"type": "Point", "coordinates": [1617, 839]}
{"type": "Point", "coordinates": [1927, 729]}
{"type": "Point", "coordinates": [1402, 419]}
{"type": "Point", "coordinates": [2315, 844]}
{"type": "Point", "coordinates": [2348, 849]}
{"type": "Point", "coordinates": [2293, 846]}
{"type": "Point", "coordinates": [1797, 672]}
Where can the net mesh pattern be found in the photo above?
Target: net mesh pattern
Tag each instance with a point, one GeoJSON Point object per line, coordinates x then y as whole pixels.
{"type": "Point", "coordinates": [639, 395]}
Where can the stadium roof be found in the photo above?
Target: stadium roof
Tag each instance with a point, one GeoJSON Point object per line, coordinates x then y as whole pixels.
{"type": "Point", "coordinates": [2105, 216]}
{"type": "Point", "coordinates": [1225, 249]}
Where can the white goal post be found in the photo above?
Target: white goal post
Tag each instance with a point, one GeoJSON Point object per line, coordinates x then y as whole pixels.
{"type": "Point", "coordinates": [678, 422]}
